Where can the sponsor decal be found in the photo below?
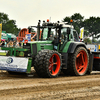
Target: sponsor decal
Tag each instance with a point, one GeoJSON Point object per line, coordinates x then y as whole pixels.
{"type": "Point", "coordinates": [13, 63]}
{"type": "Point", "coordinates": [9, 60]}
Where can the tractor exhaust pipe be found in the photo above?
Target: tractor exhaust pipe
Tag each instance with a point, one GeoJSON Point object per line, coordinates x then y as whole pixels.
{"type": "Point", "coordinates": [38, 30]}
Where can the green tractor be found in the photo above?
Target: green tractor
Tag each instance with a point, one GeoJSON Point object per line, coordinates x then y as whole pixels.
{"type": "Point", "coordinates": [57, 50]}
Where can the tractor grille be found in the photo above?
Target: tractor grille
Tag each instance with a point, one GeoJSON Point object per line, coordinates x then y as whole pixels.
{"type": "Point", "coordinates": [34, 49]}
{"type": "Point", "coordinates": [27, 53]}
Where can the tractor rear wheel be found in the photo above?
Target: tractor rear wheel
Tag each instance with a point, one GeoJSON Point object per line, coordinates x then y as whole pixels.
{"type": "Point", "coordinates": [48, 63]}
{"type": "Point", "coordinates": [78, 62]}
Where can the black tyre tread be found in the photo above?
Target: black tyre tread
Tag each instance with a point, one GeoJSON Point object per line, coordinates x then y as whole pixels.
{"type": "Point", "coordinates": [41, 63]}
{"type": "Point", "coordinates": [71, 63]}
{"type": "Point", "coordinates": [37, 66]}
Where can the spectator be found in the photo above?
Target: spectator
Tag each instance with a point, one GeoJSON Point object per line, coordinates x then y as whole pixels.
{"type": "Point", "coordinates": [11, 43]}
{"type": "Point", "coordinates": [17, 44]}
{"type": "Point", "coordinates": [20, 44]}
{"type": "Point", "coordinates": [5, 43]}
{"type": "Point", "coordinates": [2, 44]}
{"type": "Point", "coordinates": [14, 43]}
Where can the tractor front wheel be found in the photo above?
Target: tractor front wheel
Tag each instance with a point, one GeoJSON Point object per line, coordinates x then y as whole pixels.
{"type": "Point", "coordinates": [48, 63]}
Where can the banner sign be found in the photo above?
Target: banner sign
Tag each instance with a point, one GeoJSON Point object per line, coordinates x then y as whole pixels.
{"type": "Point", "coordinates": [0, 31]}
{"type": "Point", "coordinates": [10, 63]}
{"type": "Point", "coordinates": [82, 33]}
{"type": "Point", "coordinates": [93, 48]}
{"type": "Point", "coordinates": [28, 37]}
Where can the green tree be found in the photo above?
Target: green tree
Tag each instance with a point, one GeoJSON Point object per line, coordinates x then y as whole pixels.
{"type": "Point", "coordinates": [8, 25]}
{"type": "Point", "coordinates": [77, 21]}
{"type": "Point", "coordinates": [3, 18]}
{"type": "Point", "coordinates": [67, 19]}
{"type": "Point", "coordinates": [86, 32]}
{"type": "Point", "coordinates": [87, 40]}
{"type": "Point", "coordinates": [92, 25]}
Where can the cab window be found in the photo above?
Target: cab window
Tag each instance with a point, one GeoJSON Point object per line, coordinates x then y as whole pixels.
{"type": "Point", "coordinates": [45, 33]}
{"type": "Point", "coordinates": [64, 33]}
{"type": "Point", "coordinates": [75, 35]}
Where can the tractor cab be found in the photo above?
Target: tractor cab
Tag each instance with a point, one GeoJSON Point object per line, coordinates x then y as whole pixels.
{"type": "Point", "coordinates": [58, 33]}
{"type": "Point", "coordinates": [56, 30]}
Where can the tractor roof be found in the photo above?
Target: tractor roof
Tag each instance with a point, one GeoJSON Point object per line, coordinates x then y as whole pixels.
{"type": "Point", "coordinates": [55, 25]}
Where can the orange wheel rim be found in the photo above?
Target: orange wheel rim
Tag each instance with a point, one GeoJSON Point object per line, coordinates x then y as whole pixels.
{"type": "Point", "coordinates": [54, 64]}
{"type": "Point", "coordinates": [81, 62]}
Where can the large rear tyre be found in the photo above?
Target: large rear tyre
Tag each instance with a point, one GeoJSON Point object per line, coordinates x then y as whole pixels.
{"type": "Point", "coordinates": [48, 63]}
{"type": "Point", "coordinates": [78, 62]}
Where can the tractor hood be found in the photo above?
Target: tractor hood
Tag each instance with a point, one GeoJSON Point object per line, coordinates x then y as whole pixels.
{"type": "Point", "coordinates": [36, 46]}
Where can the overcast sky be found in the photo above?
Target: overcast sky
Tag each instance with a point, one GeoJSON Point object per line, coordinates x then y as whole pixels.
{"type": "Point", "coordinates": [28, 12]}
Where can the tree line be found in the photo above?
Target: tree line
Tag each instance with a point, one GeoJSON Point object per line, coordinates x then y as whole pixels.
{"type": "Point", "coordinates": [8, 25]}
{"type": "Point", "coordinates": [91, 25]}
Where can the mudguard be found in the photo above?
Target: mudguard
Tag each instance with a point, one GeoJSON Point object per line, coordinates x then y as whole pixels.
{"type": "Point", "coordinates": [74, 45]}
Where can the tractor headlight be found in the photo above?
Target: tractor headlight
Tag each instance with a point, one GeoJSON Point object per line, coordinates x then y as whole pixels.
{"type": "Point", "coordinates": [29, 54]}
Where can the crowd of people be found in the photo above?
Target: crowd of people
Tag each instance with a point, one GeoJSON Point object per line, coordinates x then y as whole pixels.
{"type": "Point", "coordinates": [10, 43]}
{"type": "Point", "coordinates": [15, 43]}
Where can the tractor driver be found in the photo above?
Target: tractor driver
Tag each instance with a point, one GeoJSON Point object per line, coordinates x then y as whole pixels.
{"type": "Point", "coordinates": [55, 42]}
{"type": "Point", "coordinates": [51, 37]}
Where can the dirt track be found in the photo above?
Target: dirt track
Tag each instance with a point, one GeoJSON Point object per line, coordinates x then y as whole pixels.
{"type": "Point", "coordinates": [23, 87]}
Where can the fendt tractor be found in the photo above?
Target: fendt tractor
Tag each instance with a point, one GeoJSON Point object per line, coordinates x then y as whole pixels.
{"type": "Point", "coordinates": [58, 50]}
